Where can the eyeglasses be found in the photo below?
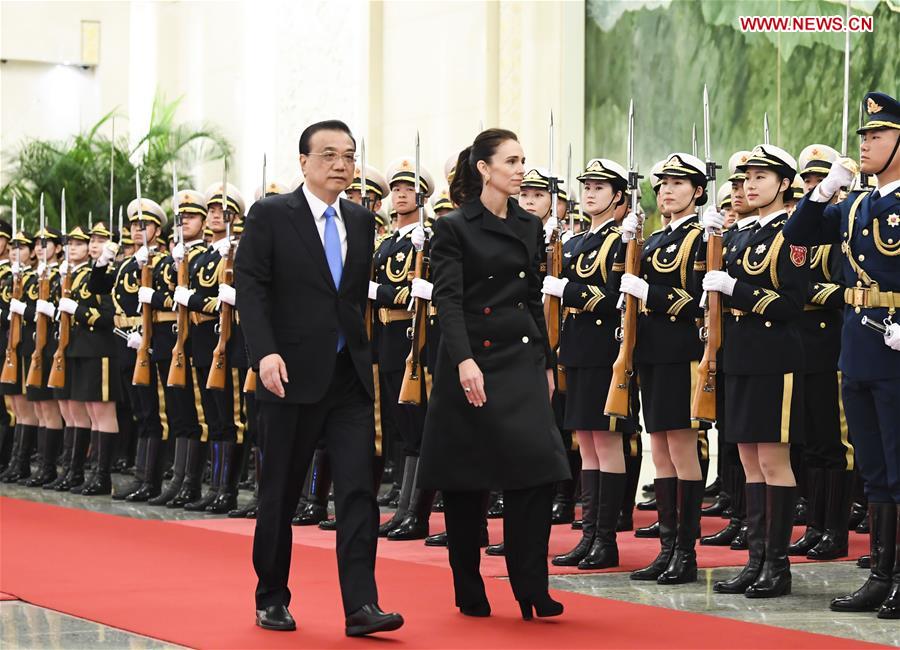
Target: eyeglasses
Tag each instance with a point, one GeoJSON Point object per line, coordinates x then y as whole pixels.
{"type": "Point", "coordinates": [331, 157]}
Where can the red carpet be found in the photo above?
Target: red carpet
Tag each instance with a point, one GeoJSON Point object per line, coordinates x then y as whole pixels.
{"type": "Point", "coordinates": [7, 597]}
{"type": "Point", "coordinates": [191, 586]}
{"type": "Point", "coordinates": [634, 553]}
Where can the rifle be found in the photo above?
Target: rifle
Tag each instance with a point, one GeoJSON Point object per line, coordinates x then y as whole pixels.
{"type": "Point", "coordinates": [10, 373]}
{"type": "Point", "coordinates": [703, 402]}
{"type": "Point", "coordinates": [178, 367]}
{"type": "Point", "coordinates": [57, 378]}
{"type": "Point", "coordinates": [141, 375]}
{"type": "Point", "coordinates": [35, 377]}
{"type": "Point", "coordinates": [216, 379]}
{"type": "Point", "coordinates": [618, 403]}
{"type": "Point", "coordinates": [552, 304]}
{"type": "Point", "coordinates": [411, 388]}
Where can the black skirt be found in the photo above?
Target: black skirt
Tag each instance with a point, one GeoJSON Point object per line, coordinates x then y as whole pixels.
{"type": "Point", "coordinates": [666, 393]}
{"type": "Point", "coordinates": [95, 379]}
{"type": "Point", "coordinates": [586, 390]}
{"type": "Point", "coordinates": [764, 408]}
{"type": "Point", "coordinates": [38, 393]}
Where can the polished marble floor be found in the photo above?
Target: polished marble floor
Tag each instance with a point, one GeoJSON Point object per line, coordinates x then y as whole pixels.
{"type": "Point", "coordinates": [27, 626]}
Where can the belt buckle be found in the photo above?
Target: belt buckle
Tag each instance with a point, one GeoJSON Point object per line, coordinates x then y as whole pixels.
{"type": "Point", "coordinates": [860, 295]}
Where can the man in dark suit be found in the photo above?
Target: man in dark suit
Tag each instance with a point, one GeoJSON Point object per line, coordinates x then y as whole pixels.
{"type": "Point", "coordinates": [302, 273]}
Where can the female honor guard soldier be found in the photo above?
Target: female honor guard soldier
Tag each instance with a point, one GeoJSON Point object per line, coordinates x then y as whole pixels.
{"type": "Point", "coordinates": [92, 371]}
{"type": "Point", "coordinates": [7, 434]}
{"type": "Point", "coordinates": [766, 286]}
{"type": "Point", "coordinates": [490, 424]}
{"type": "Point", "coordinates": [26, 419]}
{"type": "Point", "coordinates": [666, 356]}
{"type": "Point", "coordinates": [588, 348]}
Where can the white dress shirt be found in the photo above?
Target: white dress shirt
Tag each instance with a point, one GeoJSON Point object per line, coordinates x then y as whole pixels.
{"type": "Point", "coordinates": [317, 206]}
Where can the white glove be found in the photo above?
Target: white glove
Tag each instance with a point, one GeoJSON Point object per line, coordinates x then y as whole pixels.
{"type": "Point", "coordinates": [635, 286]}
{"type": "Point", "coordinates": [227, 294]}
{"type": "Point", "coordinates": [421, 289]}
{"type": "Point", "coordinates": [41, 267]}
{"type": "Point", "coordinates": [549, 227]}
{"type": "Point", "coordinates": [566, 236]}
{"type": "Point", "coordinates": [892, 337]}
{"type": "Point", "coordinates": [145, 295]}
{"type": "Point", "coordinates": [719, 281]}
{"type": "Point", "coordinates": [838, 176]}
{"type": "Point", "coordinates": [713, 220]}
{"type": "Point", "coordinates": [554, 286]}
{"type": "Point", "coordinates": [64, 268]}
{"type": "Point", "coordinates": [222, 246]}
{"type": "Point", "coordinates": [108, 254]}
{"type": "Point", "coordinates": [15, 267]}
{"type": "Point", "coordinates": [134, 340]}
{"type": "Point", "coordinates": [182, 295]}
{"type": "Point", "coordinates": [418, 237]}
{"type": "Point", "coordinates": [630, 225]}
{"type": "Point", "coordinates": [45, 308]}
{"type": "Point", "coordinates": [178, 253]}
{"type": "Point", "coordinates": [17, 306]}
{"type": "Point", "coordinates": [67, 305]}
{"type": "Point", "coordinates": [373, 290]}
{"type": "Point", "coordinates": [142, 255]}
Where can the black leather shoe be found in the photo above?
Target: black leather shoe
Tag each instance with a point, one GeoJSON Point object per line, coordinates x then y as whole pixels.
{"type": "Point", "coordinates": [369, 619]}
{"type": "Point", "coordinates": [436, 540]}
{"type": "Point", "coordinates": [864, 562]}
{"type": "Point", "coordinates": [718, 507]}
{"type": "Point", "coordinates": [649, 504]}
{"type": "Point", "coordinates": [648, 532]}
{"type": "Point", "coordinates": [275, 617]}
{"type": "Point", "coordinates": [496, 550]}
{"type": "Point", "coordinates": [481, 610]}
{"type": "Point", "coordinates": [328, 524]}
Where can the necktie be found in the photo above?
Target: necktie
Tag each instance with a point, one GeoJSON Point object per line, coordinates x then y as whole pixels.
{"type": "Point", "coordinates": [583, 243]}
{"type": "Point", "coordinates": [333, 255]}
{"type": "Point", "coordinates": [668, 230]}
{"type": "Point", "coordinates": [874, 196]}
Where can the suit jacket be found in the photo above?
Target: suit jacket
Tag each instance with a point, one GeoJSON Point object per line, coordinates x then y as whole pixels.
{"type": "Point", "coordinates": [288, 302]}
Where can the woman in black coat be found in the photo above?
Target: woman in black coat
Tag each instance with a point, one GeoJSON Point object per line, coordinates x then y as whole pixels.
{"type": "Point", "coordinates": [489, 424]}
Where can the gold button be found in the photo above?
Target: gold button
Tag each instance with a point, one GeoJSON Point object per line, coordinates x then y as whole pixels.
{"type": "Point", "coordinates": [865, 232]}
{"type": "Point", "coordinates": [845, 234]}
{"type": "Point", "coordinates": [525, 339]}
{"type": "Point", "coordinates": [738, 262]}
{"type": "Point", "coordinates": [672, 318]}
{"type": "Point", "coordinates": [599, 322]}
{"type": "Point", "coordinates": [521, 274]}
{"type": "Point", "coordinates": [862, 258]}
{"type": "Point", "coordinates": [858, 310]}
{"type": "Point", "coordinates": [822, 325]}
{"type": "Point", "coordinates": [768, 323]}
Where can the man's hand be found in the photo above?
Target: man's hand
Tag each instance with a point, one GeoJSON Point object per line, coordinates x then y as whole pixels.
{"type": "Point", "coordinates": [421, 289]}
{"type": "Point", "coordinates": [418, 238]}
{"type": "Point", "coordinates": [554, 286]}
{"type": "Point", "coordinates": [64, 268]}
{"type": "Point", "coordinates": [719, 281]}
{"type": "Point", "coordinates": [472, 382]}
{"type": "Point", "coordinates": [46, 308]}
{"type": "Point", "coordinates": [142, 255]}
{"type": "Point", "coordinates": [227, 294]}
{"type": "Point", "coordinates": [178, 252]}
{"type": "Point", "coordinates": [840, 175]}
{"type": "Point", "coordinates": [273, 374]}
{"type": "Point", "coordinates": [134, 340]}
{"type": "Point", "coordinates": [222, 246]}
{"type": "Point", "coordinates": [635, 286]}
{"type": "Point", "coordinates": [108, 254]}
{"type": "Point", "coordinates": [145, 295]}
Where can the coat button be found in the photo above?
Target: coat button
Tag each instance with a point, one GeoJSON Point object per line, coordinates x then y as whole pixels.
{"type": "Point", "coordinates": [525, 339]}
{"type": "Point", "coordinates": [672, 318]}
{"type": "Point", "coordinates": [822, 325]}
{"type": "Point", "coordinates": [486, 343]}
{"type": "Point", "coordinates": [865, 232]}
{"type": "Point", "coordinates": [521, 274]}
{"type": "Point", "coordinates": [862, 258]}
{"type": "Point", "coordinates": [520, 305]}
{"type": "Point", "coordinates": [487, 311]}
{"type": "Point", "coordinates": [768, 323]}
{"type": "Point", "coordinates": [599, 322]}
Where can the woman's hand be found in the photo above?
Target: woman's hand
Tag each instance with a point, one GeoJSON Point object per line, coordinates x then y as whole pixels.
{"type": "Point", "coordinates": [472, 382]}
{"type": "Point", "coordinates": [551, 382]}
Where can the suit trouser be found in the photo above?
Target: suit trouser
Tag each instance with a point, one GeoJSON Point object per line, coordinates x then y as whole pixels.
{"type": "Point", "coordinates": [409, 419]}
{"type": "Point", "coordinates": [526, 536]}
{"type": "Point", "coordinates": [873, 415]}
{"type": "Point", "coordinates": [288, 436]}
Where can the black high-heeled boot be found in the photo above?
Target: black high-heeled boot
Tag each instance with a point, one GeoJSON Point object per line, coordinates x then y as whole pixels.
{"type": "Point", "coordinates": [755, 499]}
{"type": "Point", "coordinates": [16, 434]}
{"type": "Point", "coordinates": [68, 439]}
{"type": "Point", "coordinates": [415, 523]}
{"type": "Point", "coordinates": [666, 493]}
{"type": "Point", "coordinates": [835, 541]}
{"type": "Point", "coordinates": [20, 467]}
{"type": "Point", "coordinates": [590, 496]}
{"type": "Point", "coordinates": [215, 480]}
{"type": "Point", "coordinates": [882, 548]}
{"type": "Point", "coordinates": [625, 520]}
{"type": "Point", "coordinates": [100, 482]}
{"type": "Point", "coordinates": [775, 578]}
{"type": "Point", "coordinates": [815, 512]}
{"type": "Point", "coordinates": [890, 608]}
{"type": "Point", "coordinates": [81, 440]}
{"type": "Point", "coordinates": [543, 608]}
{"type": "Point", "coordinates": [683, 565]}
{"type": "Point", "coordinates": [53, 439]}
{"type": "Point", "coordinates": [604, 552]}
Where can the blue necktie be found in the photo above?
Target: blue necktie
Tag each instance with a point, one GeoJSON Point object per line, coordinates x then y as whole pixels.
{"type": "Point", "coordinates": [333, 255]}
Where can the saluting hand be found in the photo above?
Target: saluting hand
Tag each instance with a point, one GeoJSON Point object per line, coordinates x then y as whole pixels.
{"type": "Point", "coordinates": [273, 374]}
{"type": "Point", "coordinates": [472, 382]}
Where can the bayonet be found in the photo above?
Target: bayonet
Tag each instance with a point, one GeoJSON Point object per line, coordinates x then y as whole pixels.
{"type": "Point", "coordinates": [62, 222]}
{"type": "Point", "coordinates": [42, 226]}
{"type": "Point", "coordinates": [694, 140]}
{"type": "Point", "coordinates": [420, 195]}
{"type": "Point", "coordinates": [120, 225]}
{"type": "Point", "coordinates": [363, 194]}
{"type": "Point", "coordinates": [90, 220]}
{"type": "Point", "coordinates": [225, 216]}
{"type": "Point", "coordinates": [554, 184]}
{"type": "Point", "coordinates": [112, 172]}
{"type": "Point", "coordinates": [137, 189]}
{"type": "Point", "coordinates": [179, 232]}
{"type": "Point", "coordinates": [844, 124]}
{"type": "Point", "coordinates": [570, 203]}
{"type": "Point", "coordinates": [711, 166]}
{"type": "Point", "coordinates": [766, 127]}
{"type": "Point", "coordinates": [264, 192]}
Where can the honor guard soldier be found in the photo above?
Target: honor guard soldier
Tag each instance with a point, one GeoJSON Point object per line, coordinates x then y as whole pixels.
{"type": "Point", "coordinates": [765, 288]}
{"type": "Point", "coordinates": [222, 407]}
{"type": "Point", "coordinates": [441, 203]}
{"type": "Point", "coordinates": [666, 356]}
{"type": "Point", "coordinates": [866, 225]}
{"type": "Point", "coordinates": [588, 347]}
{"type": "Point", "coordinates": [145, 219]}
{"type": "Point", "coordinates": [7, 433]}
{"type": "Point", "coordinates": [15, 366]}
{"type": "Point", "coordinates": [828, 459]}
{"type": "Point", "coordinates": [390, 293]}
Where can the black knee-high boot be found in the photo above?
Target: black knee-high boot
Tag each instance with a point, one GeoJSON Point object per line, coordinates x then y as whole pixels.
{"type": "Point", "coordinates": [68, 439]}
{"type": "Point", "coordinates": [834, 543]}
{"type": "Point", "coordinates": [418, 515]}
{"type": "Point", "coordinates": [21, 465]}
{"type": "Point", "coordinates": [604, 551]}
{"type": "Point", "coordinates": [49, 453]}
{"type": "Point", "coordinates": [666, 490]}
{"type": "Point", "coordinates": [816, 501]}
{"type": "Point", "coordinates": [890, 608]}
{"type": "Point", "coordinates": [249, 510]}
{"type": "Point", "coordinates": [178, 470]}
{"type": "Point", "coordinates": [15, 433]}
{"type": "Point", "coordinates": [775, 578]}
{"type": "Point", "coordinates": [216, 453]}
{"type": "Point", "coordinates": [564, 501]}
{"type": "Point", "coordinates": [629, 494]}
{"type": "Point", "coordinates": [153, 472]}
{"type": "Point", "coordinates": [683, 565]}
{"type": "Point", "coordinates": [7, 442]}
{"type": "Point", "coordinates": [406, 489]}
{"type": "Point", "coordinates": [590, 499]}
{"type": "Point", "coordinates": [316, 508]}
{"type": "Point", "coordinates": [74, 478]}
{"type": "Point", "coordinates": [100, 481]}
{"type": "Point", "coordinates": [226, 499]}
{"type": "Point", "coordinates": [194, 461]}
{"type": "Point", "coordinates": [755, 499]}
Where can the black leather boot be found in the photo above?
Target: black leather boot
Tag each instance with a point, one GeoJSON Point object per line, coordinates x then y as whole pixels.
{"type": "Point", "coordinates": [16, 434]}
{"type": "Point", "coordinates": [316, 508]}
{"type": "Point", "coordinates": [733, 484]}
{"type": "Point", "coordinates": [38, 455]}
{"type": "Point", "coordinates": [775, 578]}
{"type": "Point", "coordinates": [153, 473]}
{"type": "Point", "coordinates": [410, 463]}
{"type": "Point", "coordinates": [495, 510]}
{"type": "Point", "coordinates": [178, 468]}
{"type": "Point", "coordinates": [882, 548]}
{"type": "Point", "coordinates": [590, 498]}
{"type": "Point", "coordinates": [249, 510]}
{"type": "Point", "coordinates": [74, 477]}
{"type": "Point", "coordinates": [835, 540]}
{"type": "Point", "coordinates": [755, 499]}
{"type": "Point", "coordinates": [890, 608]}
{"type": "Point", "coordinates": [140, 465]}
{"type": "Point", "coordinates": [415, 524]}
{"type": "Point", "coordinates": [815, 512]}
{"type": "Point", "coordinates": [649, 504]}
{"type": "Point", "coordinates": [632, 476]}
{"type": "Point", "coordinates": [666, 490]}
{"type": "Point", "coordinates": [65, 459]}
{"type": "Point", "coordinates": [564, 502]}
{"type": "Point", "coordinates": [7, 442]}
{"type": "Point", "coordinates": [21, 465]}
{"type": "Point", "coordinates": [199, 505]}
{"type": "Point", "coordinates": [227, 498]}
{"type": "Point", "coordinates": [683, 565]}
{"type": "Point", "coordinates": [194, 461]}
{"type": "Point", "coordinates": [53, 439]}
{"type": "Point", "coordinates": [100, 482]}
{"type": "Point", "coordinates": [722, 500]}
{"type": "Point", "coordinates": [604, 552]}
